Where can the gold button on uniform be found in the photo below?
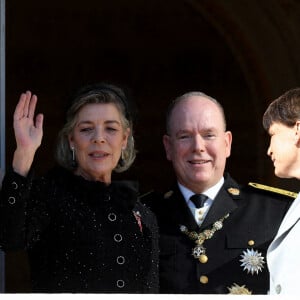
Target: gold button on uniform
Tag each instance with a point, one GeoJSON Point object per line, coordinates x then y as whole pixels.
{"type": "Point", "coordinates": [251, 243]}
{"type": "Point", "coordinates": [203, 279]}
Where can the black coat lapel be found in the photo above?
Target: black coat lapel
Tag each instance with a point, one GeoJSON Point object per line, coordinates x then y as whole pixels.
{"type": "Point", "coordinates": [224, 202]}
{"type": "Point", "coordinates": [180, 213]}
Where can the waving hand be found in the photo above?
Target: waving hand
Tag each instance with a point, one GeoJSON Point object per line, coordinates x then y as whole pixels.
{"type": "Point", "coordinates": [28, 132]}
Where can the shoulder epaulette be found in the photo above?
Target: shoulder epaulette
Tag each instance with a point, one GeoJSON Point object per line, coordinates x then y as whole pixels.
{"type": "Point", "coordinates": [273, 189]}
{"type": "Point", "coordinates": [145, 194]}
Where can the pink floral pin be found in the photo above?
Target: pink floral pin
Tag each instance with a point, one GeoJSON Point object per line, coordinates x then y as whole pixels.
{"type": "Point", "coordinates": [138, 218]}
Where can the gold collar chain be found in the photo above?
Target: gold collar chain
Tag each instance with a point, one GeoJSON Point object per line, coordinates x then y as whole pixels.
{"type": "Point", "coordinates": [199, 252]}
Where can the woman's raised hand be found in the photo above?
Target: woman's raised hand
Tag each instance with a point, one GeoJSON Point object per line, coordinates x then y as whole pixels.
{"type": "Point", "coordinates": [28, 132]}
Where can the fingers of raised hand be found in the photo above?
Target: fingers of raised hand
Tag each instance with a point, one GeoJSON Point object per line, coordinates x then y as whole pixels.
{"type": "Point", "coordinates": [26, 106]}
{"type": "Point", "coordinates": [32, 105]}
{"type": "Point", "coordinates": [39, 121]}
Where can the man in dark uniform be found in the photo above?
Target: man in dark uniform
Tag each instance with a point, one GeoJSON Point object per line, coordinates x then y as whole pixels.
{"type": "Point", "coordinates": [214, 233]}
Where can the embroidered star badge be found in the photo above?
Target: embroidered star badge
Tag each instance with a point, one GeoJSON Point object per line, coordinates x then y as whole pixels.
{"type": "Point", "coordinates": [252, 261]}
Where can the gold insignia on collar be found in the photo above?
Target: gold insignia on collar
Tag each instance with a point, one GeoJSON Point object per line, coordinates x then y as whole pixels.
{"type": "Point", "coordinates": [168, 194]}
{"type": "Point", "coordinates": [233, 191]}
{"type": "Point", "coordinates": [236, 289]}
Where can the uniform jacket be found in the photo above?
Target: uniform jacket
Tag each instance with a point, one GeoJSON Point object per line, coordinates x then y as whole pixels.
{"type": "Point", "coordinates": [254, 218]}
{"type": "Point", "coordinates": [283, 254]}
{"type": "Point", "coordinates": [81, 236]}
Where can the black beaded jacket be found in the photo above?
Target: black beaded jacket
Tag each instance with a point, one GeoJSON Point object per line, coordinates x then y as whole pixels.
{"type": "Point", "coordinates": [81, 236]}
{"type": "Point", "coordinates": [235, 252]}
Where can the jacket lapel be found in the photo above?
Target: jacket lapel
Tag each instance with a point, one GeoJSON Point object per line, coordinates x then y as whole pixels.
{"type": "Point", "coordinates": [180, 213]}
{"type": "Point", "coordinates": [291, 217]}
{"type": "Point", "coordinates": [224, 202]}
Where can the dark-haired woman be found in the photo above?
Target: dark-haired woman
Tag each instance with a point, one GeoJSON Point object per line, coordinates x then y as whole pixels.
{"type": "Point", "coordinates": [282, 121]}
{"type": "Point", "coordinates": [83, 232]}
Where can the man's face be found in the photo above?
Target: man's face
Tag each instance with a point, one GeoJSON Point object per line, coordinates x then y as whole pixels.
{"type": "Point", "coordinates": [197, 143]}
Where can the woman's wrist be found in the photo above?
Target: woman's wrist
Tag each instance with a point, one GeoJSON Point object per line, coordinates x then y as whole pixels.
{"type": "Point", "coordinates": [22, 161]}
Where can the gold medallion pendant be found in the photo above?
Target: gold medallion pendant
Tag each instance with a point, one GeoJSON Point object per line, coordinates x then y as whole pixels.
{"type": "Point", "coordinates": [203, 258]}
{"type": "Point", "coordinates": [199, 251]}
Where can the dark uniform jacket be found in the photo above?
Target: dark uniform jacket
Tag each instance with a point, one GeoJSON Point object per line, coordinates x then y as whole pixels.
{"type": "Point", "coordinates": [81, 236]}
{"type": "Point", "coordinates": [236, 253]}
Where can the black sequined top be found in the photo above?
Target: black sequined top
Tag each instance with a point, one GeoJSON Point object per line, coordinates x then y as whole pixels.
{"type": "Point", "coordinates": [81, 236]}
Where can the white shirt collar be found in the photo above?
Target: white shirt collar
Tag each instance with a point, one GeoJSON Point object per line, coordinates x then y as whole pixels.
{"type": "Point", "coordinates": [211, 193]}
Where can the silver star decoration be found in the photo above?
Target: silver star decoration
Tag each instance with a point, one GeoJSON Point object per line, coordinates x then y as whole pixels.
{"type": "Point", "coordinates": [252, 261]}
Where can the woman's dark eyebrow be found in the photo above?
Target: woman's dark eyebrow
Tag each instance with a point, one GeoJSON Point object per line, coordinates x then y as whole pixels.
{"type": "Point", "coordinates": [106, 122]}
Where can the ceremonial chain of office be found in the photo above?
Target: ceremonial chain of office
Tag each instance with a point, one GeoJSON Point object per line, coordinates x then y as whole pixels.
{"type": "Point", "coordinates": [199, 252]}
